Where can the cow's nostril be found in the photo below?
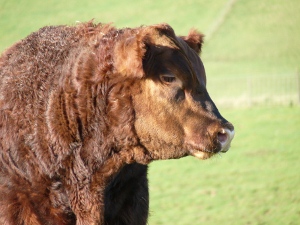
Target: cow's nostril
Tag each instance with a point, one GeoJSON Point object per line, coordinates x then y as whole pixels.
{"type": "Point", "coordinates": [222, 136]}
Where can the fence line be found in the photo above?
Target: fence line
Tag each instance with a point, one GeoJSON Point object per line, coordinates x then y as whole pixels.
{"type": "Point", "coordinates": [255, 90]}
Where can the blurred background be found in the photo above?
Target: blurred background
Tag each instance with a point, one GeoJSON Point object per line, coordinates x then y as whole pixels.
{"type": "Point", "coordinates": [252, 59]}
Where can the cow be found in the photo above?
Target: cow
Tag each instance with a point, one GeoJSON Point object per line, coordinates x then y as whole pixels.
{"type": "Point", "coordinates": [85, 108]}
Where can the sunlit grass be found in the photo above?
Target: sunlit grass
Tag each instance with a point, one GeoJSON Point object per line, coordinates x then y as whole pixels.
{"type": "Point", "coordinates": [258, 37]}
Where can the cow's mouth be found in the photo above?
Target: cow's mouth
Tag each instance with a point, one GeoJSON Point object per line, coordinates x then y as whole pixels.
{"type": "Point", "coordinates": [201, 154]}
{"type": "Point", "coordinates": [201, 148]}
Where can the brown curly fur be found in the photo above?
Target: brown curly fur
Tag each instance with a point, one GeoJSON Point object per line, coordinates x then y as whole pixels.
{"type": "Point", "coordinates": [72, 149]}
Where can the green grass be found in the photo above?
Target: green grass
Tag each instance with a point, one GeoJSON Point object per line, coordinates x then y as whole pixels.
{"type": "Point", "coordinates": [257, 37]}
{"type": "Point", "coordinates": [256, 182]}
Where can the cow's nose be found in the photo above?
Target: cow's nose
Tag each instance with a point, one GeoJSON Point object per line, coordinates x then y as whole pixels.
{"type": "Point", "coordinates": [224, 138]}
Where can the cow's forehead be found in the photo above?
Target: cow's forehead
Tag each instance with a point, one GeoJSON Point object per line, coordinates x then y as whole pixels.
{"type": "Point", "coordinates": [194, 62]}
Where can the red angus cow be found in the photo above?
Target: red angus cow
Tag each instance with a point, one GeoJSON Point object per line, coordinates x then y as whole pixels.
{"type": "Point", "coordinates": [85, 108]}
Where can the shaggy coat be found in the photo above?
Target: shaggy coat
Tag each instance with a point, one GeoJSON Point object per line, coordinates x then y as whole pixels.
{"type": "Point", "coordinates": [85, 108]}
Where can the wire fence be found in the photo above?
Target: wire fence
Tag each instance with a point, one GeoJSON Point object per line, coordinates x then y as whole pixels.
{"type": "Point", "coordinates": [255, 90]}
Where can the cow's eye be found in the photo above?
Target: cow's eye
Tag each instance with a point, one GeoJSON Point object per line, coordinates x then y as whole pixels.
{"type": "Point", "coordinates": [168, 78]}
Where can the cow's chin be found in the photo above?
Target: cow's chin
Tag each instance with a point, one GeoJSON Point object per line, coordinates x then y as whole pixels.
{"type": "Point", "coordinates": [201, 154]}
{"type": "Point", "coordinates": [202, 150]}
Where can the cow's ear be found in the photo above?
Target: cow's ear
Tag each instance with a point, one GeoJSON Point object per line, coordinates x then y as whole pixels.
{"type": "Point", "coordinates": [131, 49]}
{"type": "Point", "coordinates": [194, 39]}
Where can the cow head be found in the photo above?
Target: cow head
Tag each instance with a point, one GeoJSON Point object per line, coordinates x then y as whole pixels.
{"type": "Point", "coordinates": [174, 114]}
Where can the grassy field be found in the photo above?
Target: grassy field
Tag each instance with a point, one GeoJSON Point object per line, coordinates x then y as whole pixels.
{"type": "Point", "coordinates": [258, 37]}
{"type": "Point", "coordinates": [257, 181]}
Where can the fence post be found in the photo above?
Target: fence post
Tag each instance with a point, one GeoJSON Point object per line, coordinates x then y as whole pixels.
{"type": "Point", "coordinates": [298, 86]}
{"type": "Point", "coordinates": [249, 88]}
